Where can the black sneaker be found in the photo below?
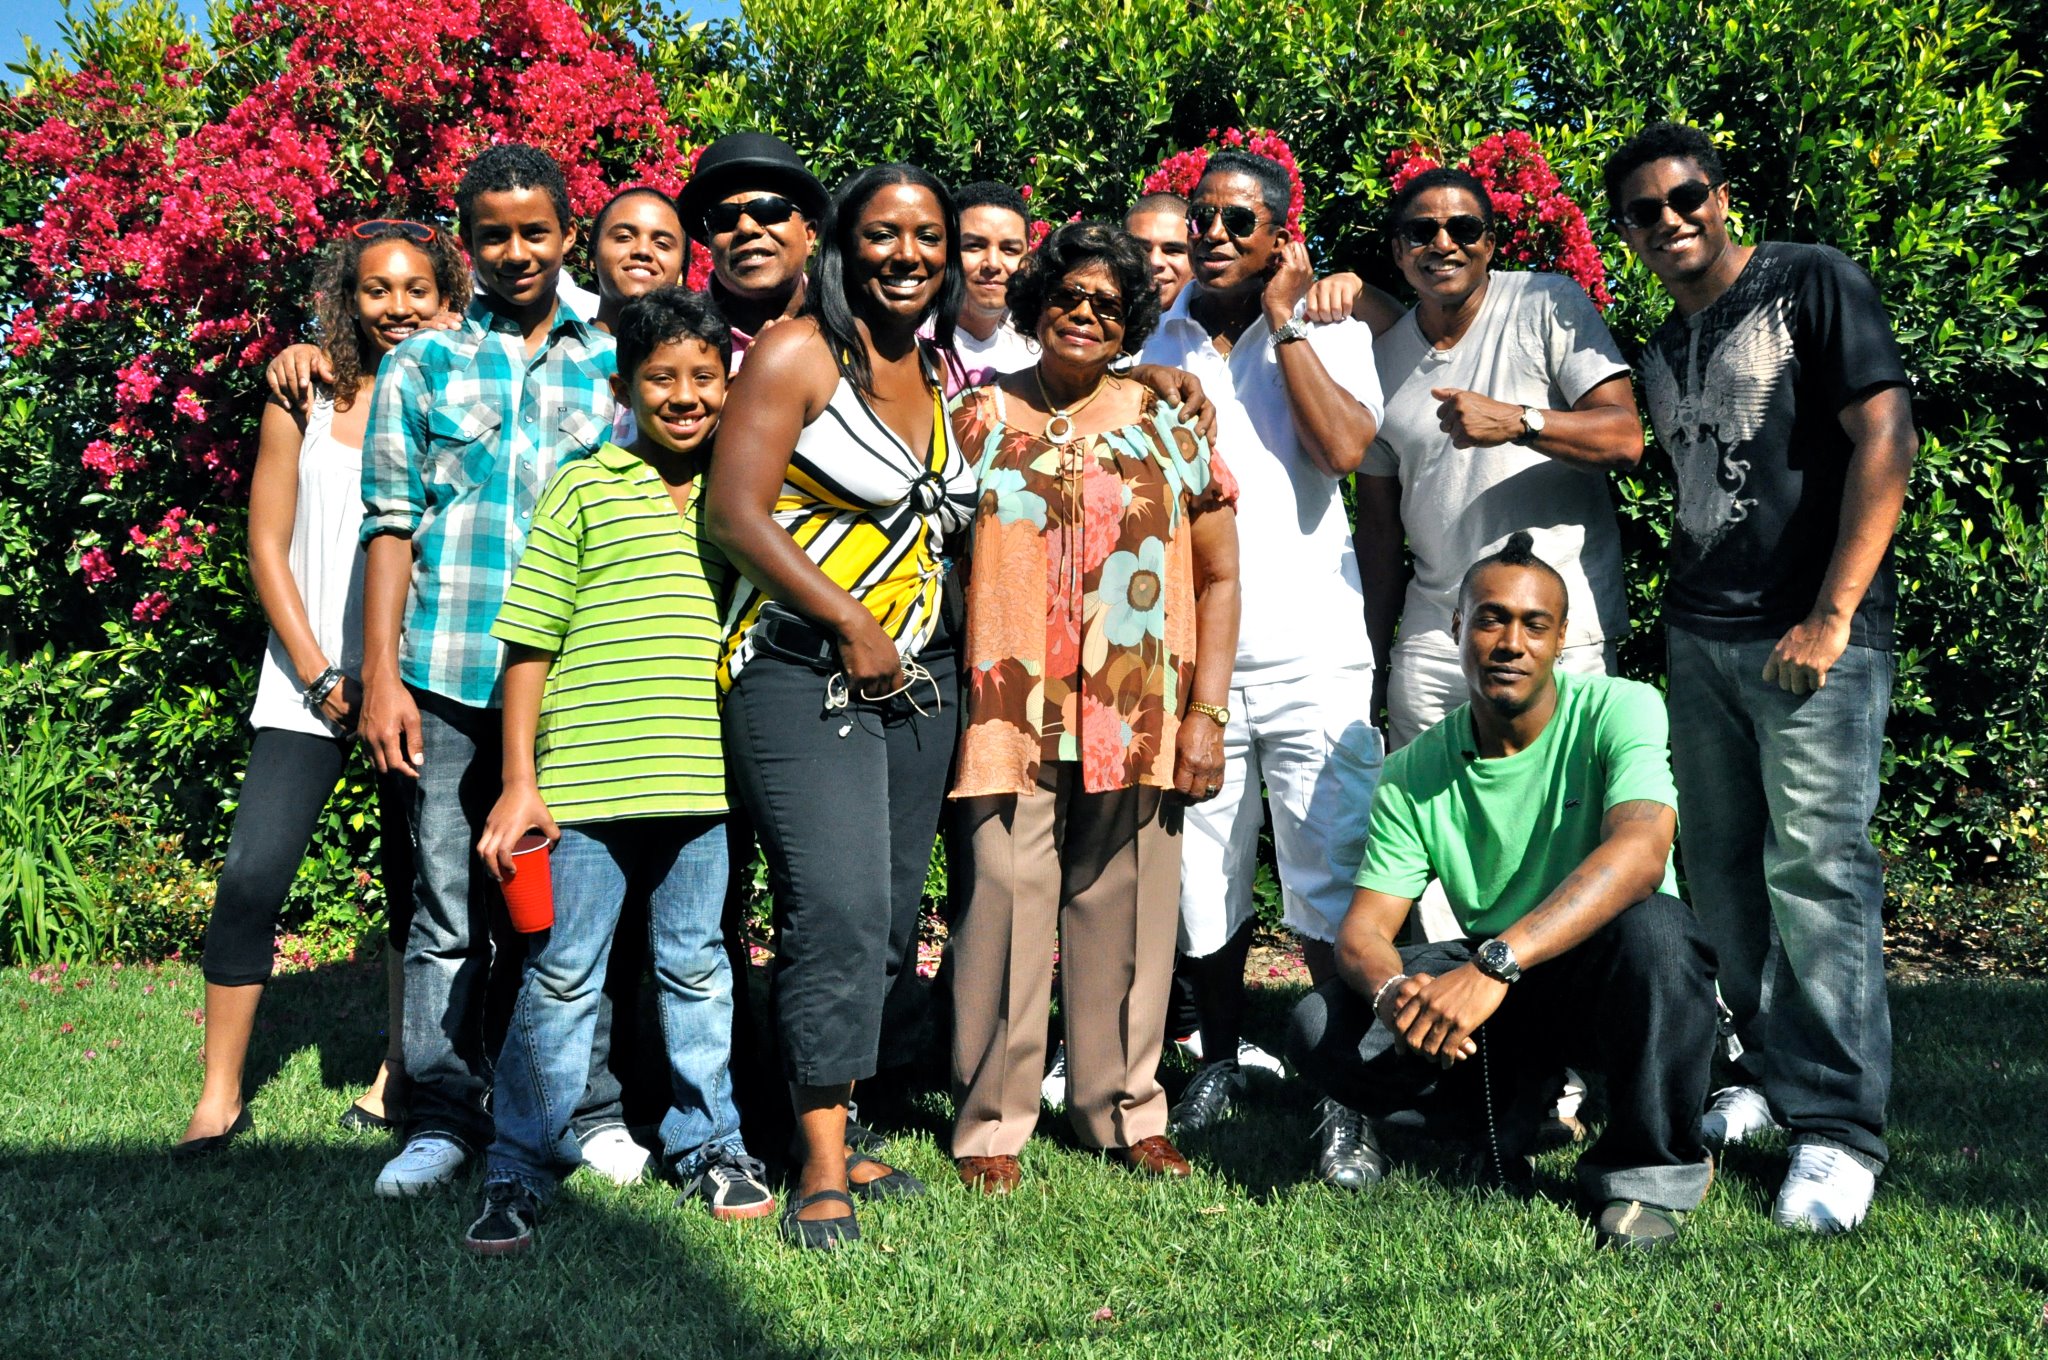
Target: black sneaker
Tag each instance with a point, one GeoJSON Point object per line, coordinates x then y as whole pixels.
{"type": "Point", "coordinates": [732, 1185]}
{"type": "Point", "coordinates": [859, 1137]}
{"type": "Point", "coordinates": [1208, 1099]}
{"type": "Point", "coordinates": [1635, 1226]}
{"type": "Point", "coordinates": [1346, 1155]}
{"type": "Point", "coordinates": [505, 1227]}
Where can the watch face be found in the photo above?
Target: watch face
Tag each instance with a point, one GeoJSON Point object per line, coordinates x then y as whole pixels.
{"type": "Point", "coordinates": [1499, 960]}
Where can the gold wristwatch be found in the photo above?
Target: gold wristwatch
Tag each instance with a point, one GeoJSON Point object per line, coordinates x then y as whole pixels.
{"type": "Point", "coordinates": [1215, 711]}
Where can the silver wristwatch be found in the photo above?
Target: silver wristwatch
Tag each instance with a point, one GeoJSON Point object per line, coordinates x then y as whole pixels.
{"type": "Point", "coordinates": [1496, 959]}
{"type": "Point", "coordinates": [1289, 331]}
{"type": "Point", "coordinates": [1532, 420]}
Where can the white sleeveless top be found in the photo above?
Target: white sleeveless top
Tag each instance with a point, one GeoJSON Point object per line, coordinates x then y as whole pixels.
{"type": "Point", "coordinates": [327, 563]}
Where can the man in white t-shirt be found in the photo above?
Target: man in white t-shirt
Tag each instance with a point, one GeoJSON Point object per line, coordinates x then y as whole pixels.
{"type": "Point", "coordinates": [1507, 404]}
{"type": "Point", "coordinates": [1160, 222]}
{"type": "Point", "coordinates": [1296, 407]}
{"type": "Point", "coordinates": [995, 235]}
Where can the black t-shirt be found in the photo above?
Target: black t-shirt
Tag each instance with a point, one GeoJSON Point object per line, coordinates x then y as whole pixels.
{"type": "Point", "coordinates": [1746, 395]}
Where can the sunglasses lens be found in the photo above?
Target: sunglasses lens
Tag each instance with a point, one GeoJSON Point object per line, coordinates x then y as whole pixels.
{"type": "Point", "coordinates": [1642, 213]}
{"type": "Point", "coordinates": [1466, 229]}
{"type": "Point", "coordinates": [766, 210]}
{"type": "Point", "coordinates": [1068, 299]}
{"type": "Point", "coordinates": [1237, 221]}
{"type": "Point", "coordinates": [1688, 197]}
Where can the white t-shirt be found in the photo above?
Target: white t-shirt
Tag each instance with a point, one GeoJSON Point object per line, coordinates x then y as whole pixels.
{"type": "Point", "coordinates": [976, 362]}
{"type": "Point", "coordinates": [1537, 342]}
{"type": "Point", "coordinates": [1303, 610]}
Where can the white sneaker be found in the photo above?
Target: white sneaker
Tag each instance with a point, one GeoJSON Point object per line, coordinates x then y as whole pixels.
{"type": "Point", "coordinates": [612, 1154]}
{"type": "Point", "coordinates": [1735, 1115]}
{"type": "Point", "coordinates": [1053, 1090]}
{"type": "Point", "coordinates": [1825, 1191]}
{"type": "Point", "coordinates": [1570, 1096]}
{"type": "Point", "coordinates": [427, 1163]}
{"type": "Point", "coordinates": [1191, 1047]}
{"type": "Point", "coordinates": [1250, 1055]}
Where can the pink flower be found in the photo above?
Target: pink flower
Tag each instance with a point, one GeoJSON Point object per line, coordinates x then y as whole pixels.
{"type": "Point", "coordinates": [97, 567]}
{"type": "Point", "coordinates": [188, 405]}
{"type": "Point", "coordinates": [65, 1028]}
{"type": "Point", "coordinates": [151, 608]}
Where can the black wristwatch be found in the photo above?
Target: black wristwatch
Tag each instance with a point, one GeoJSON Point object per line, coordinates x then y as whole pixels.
{"type": "Point", "coordinates": [1496, 959]}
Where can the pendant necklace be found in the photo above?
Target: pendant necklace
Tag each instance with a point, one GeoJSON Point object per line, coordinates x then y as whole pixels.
{"type": "Point", "coordinates": [1060, 428]}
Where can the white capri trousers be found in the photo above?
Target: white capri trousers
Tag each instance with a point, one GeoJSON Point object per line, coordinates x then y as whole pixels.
{"type": "Point", "coordinates": [1311, 743]}
{"type": "Point", "coordinates": [1428, 683]}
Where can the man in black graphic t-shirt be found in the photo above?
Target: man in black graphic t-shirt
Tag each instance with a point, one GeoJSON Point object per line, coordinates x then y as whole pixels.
{"type": "Point", "coordinates": [1777, 389]}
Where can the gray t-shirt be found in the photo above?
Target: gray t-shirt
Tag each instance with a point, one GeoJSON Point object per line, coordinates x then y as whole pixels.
{"type": "Point", "coordinates": [1538, 341]}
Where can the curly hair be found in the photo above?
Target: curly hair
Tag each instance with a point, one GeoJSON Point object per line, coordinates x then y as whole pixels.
{"type": "Point", "coordinates": [334, 290]}
{"type": "Point", "coordinates": [1076, 246]}
{"type": "Point", "coordinates": [1660, 141]}
{"type": "Point", "coordinates": [665, 315]}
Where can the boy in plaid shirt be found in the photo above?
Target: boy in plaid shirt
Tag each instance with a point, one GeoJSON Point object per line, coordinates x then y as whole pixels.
{"type": "Point", "coordinates": [465, 428]}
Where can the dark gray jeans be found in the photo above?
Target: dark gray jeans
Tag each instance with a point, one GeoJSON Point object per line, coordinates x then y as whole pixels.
{"type": "Point", "coordinates": [1635, 1003]}
{"type": "Point", "coordinates": [1776, 791]}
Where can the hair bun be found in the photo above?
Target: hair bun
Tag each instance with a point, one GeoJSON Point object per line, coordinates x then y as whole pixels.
{"type": "Point", "coordinates": [1520, 541]}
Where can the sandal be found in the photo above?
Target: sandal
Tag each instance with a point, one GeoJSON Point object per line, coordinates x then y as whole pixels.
{"type": "Point", "coordinates": [817, 1234]}
{"type": "Point", "coordinates": [898, 1184]}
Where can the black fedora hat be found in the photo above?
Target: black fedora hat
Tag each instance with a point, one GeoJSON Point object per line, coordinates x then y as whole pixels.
{"type": "Point", "coordinates": [749, 160]}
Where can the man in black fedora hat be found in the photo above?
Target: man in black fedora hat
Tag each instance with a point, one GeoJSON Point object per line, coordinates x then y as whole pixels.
{"type": "Point", "coordinates": [756, 206]}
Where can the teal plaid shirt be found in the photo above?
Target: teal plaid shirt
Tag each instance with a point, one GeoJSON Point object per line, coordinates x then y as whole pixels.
{"type": "Point", "coordinates": [464, 432]}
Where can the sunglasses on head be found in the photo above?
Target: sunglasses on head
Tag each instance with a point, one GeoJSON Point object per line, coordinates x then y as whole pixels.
{"type": "Point", "coordinates": [766, 209]}
{"type": "Point", "coordinates": [1465, 229]}
{"type": "Point", "coordinates": [410, 230]}
{"type": "Point", "coordinates": [1107, 307]}
{"type": "Point", "coordinates": [1238, 221]}
{"type": "Point", "coordinates": [1643, 213]}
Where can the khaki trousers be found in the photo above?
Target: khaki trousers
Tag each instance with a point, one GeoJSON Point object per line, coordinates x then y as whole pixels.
{"type": "Point", "coordinates": [1099, 872]}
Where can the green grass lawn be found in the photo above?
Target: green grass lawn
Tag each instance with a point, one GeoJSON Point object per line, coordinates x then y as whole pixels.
{"type": "Point", "coordinates": [278, 1249]}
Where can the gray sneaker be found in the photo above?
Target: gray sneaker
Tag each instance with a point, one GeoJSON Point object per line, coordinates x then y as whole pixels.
{"type": "Point", "coordinates": [1346, 1155]}
{"type": "Point", "coordinates": [428, 1162]}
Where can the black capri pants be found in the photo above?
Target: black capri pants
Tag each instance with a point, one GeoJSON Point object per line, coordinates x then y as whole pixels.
{"type": "Point", "coordinates": [846, 803]}
{"type": "Point", "coordinates": [289, 779]}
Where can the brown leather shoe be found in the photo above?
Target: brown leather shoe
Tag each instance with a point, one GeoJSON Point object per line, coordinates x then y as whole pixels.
{"type": "Point", "coordinates": [1154, 1156]}
{"type": "Point", "coordinates": [990, 1175]}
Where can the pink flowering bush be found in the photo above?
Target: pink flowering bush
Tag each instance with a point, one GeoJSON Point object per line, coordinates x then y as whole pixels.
{"type": "Point", "coordinates": [1181, 172]}
{"type": "Point", "coordinates": [1539, 225]}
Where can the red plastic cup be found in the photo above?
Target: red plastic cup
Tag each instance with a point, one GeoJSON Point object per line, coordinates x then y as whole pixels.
{"type": "Point", "coordinates": [530, 891]}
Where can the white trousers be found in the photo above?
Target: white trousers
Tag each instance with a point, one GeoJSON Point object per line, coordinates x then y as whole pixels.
{"type": "Point", "coordinates": [1311, 745]}
{"type": "Point", "coordinates": [1428, 683]}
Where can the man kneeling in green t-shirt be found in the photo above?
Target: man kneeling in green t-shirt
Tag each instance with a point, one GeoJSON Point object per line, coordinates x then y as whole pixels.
{"type": "Point", "coordinates": [1546, 809]}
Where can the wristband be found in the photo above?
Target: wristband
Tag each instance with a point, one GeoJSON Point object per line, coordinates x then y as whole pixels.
{"type": "Point", "coordinates": [322, 686]}
{"type": "Point", "coordinates": [1381, 994]}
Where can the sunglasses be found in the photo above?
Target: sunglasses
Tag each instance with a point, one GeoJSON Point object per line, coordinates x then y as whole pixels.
{"type": "Point", "coordinates": [410, 230]}
{"type": "Point", "coordinates": [767, 210]}
{"type": "Point", "coordinates": [1465, 229]}
{"type": "Point", "coordinates": [1643, 213]}
{"type": "Point", "coordinates": [1238, 221]}
{"type": "Point", "coordinates": [1107, 307]}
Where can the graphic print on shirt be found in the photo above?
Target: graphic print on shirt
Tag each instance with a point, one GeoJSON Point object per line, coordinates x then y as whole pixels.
{"type": "Point", "coordinates": [1719, 407]}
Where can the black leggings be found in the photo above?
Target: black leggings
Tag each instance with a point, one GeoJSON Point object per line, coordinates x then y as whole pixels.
{"type": "Point", "coordinates": [289, 779]}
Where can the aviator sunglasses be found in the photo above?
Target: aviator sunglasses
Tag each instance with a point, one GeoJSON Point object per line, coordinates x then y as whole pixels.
{"type": "Point", "coordinates": [1107, 307]}
{"type": "Point", "coordinates": [766, 209]}
{"type": "Point", "coordinates": [1466, 229]}
{"type": "Point", "coordinates": [1644, 213]}
{"type": "Point", "coordinates": [410, 230]}
{"type": "Point", "coordinates": [1238, 221]}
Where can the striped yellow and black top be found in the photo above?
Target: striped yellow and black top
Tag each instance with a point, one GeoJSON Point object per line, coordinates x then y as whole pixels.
{"type": "Point", "coordinates": [872, 514]}
{"type": "Point", "coordinates": [613, 582]}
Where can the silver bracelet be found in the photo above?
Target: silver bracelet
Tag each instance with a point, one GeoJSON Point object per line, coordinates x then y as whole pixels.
{"type": "Point", "coordinates": [1380, 995]}
{"type": "Point", "coordinates": [322, 686]}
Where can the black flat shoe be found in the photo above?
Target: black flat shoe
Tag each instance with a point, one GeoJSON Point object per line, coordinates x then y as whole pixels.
{"type": "Point", "coordinates": [356, 1119]}
{"type": "Point", "coordinates": [817, 1234]}
{"type": "Point", "coordinates": [194, 1148]}
{"type": "Point", "coordinates": [898, 1184]}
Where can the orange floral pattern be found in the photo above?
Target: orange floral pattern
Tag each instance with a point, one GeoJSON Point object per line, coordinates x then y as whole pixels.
{"type": "Point", "coordinates": [1081, 597]}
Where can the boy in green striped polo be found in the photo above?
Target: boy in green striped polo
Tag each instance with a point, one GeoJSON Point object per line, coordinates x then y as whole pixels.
{"type": "Point", "coordinates": [612, 751]}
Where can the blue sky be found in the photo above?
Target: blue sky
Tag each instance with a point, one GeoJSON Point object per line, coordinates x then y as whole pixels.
{"type": "Point", "coordinates": [37, 19]}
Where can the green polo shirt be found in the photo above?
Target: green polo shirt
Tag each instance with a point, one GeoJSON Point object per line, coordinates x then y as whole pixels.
{"type": "Point", "coordinates": [615, 584]}
{"type": "Point", "coordinates": [1500, 835]}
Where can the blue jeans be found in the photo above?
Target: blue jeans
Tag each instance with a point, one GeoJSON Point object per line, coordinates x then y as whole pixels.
{"type": "Point", "coordinates": [1775, 794]}
{"type": "Point", "coordinates": [679, 865]}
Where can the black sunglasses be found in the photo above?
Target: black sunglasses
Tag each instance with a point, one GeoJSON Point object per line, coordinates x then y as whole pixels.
{"type": "Point", "coordinates": [766, 209]}
{"type": "Point", "coordinates": [1465, 229]}
{"type": "Point", "coordinates": [410, 230]}
{"type": "Point", "coordinates": [1107, 307]}
{"type": "Point", "coordinates": [1239, 222]}
{"type": "Point", "coordinates": [1643, 213]}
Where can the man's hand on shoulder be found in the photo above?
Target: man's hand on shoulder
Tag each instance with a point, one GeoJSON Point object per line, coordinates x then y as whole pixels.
{"type": "Point", "coordinates": [1799, 664]}
{"type": "Point", "coordinates": [1181, 390]}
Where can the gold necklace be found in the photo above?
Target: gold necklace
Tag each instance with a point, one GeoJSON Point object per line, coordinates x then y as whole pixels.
{"type": "Point", "coordinates": [1063, 418]}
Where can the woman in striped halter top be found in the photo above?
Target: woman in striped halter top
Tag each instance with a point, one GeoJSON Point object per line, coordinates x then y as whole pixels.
{"type": "Point", "coordinates": [833, 490]}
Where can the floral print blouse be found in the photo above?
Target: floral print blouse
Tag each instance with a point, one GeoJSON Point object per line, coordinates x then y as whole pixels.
{"type": "Point", "coordinates": [1080, 597]}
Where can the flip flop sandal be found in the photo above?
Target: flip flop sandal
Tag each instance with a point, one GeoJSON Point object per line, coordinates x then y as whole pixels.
{"type": "Point", "coordinates": [818, 1234]}
{"type": "Point", "coordinates": [898, 1184]}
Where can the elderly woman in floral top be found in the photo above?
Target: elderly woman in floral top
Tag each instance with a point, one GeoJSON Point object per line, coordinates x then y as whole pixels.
{"type": "Point", "coordinates": [1101, 628]}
